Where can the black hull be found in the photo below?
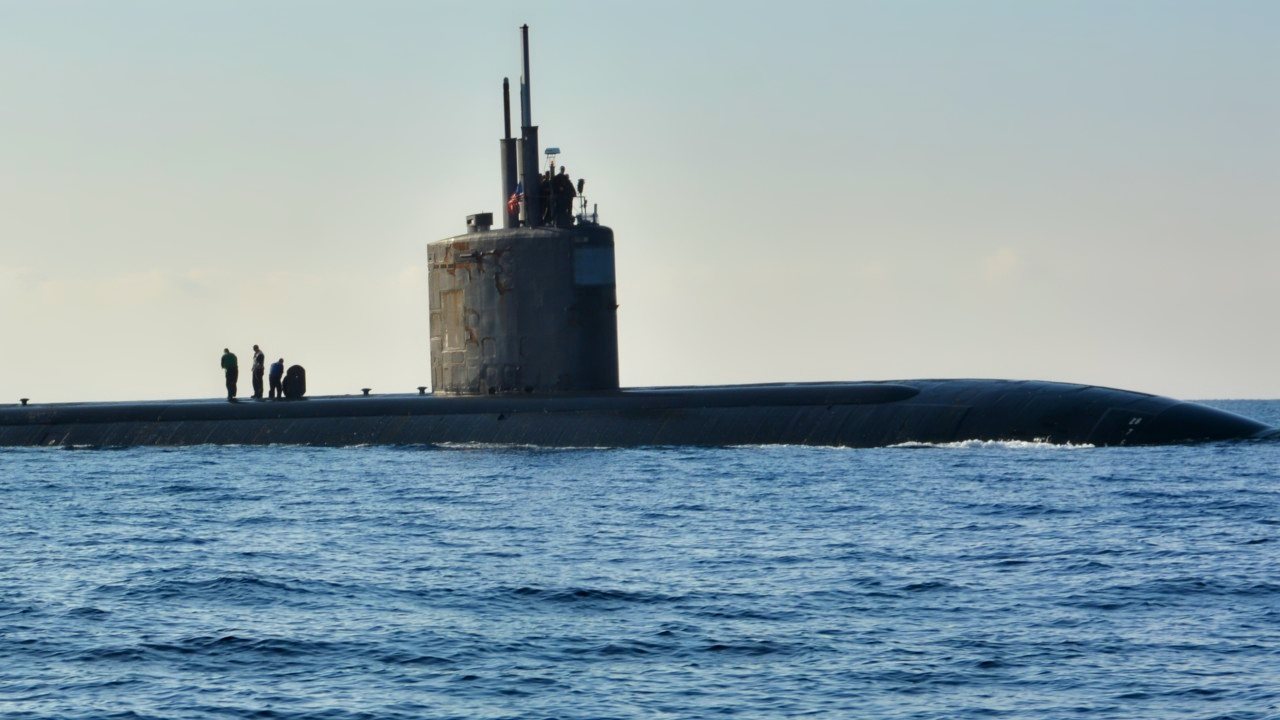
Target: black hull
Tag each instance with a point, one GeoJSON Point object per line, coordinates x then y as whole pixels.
{"type": "Point", "coordinates": [831, 414]}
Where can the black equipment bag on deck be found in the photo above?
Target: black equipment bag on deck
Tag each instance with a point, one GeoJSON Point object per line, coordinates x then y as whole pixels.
{"type": "Point", "coordinates": [295, 382]}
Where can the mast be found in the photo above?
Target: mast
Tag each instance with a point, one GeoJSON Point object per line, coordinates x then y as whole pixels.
{"type": "Point", "coordinates": [530, 176]}
{"type": "Point", "coordinates": [509, 207]}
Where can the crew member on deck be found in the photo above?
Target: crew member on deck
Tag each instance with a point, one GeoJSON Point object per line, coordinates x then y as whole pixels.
{"type": "Point", "coordinates": [277, 373]}
{"type": "Point", "coordinates": [232, 372]}
{"type": "Point", "coordinates": [259, 365]}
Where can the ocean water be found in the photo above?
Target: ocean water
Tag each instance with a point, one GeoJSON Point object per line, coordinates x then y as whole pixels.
{"type": "Point", "coordinates": [971, 581]}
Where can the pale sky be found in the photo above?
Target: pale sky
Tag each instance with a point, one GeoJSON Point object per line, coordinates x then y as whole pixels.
{"type": "Point", "coordinates": [1076, 191]}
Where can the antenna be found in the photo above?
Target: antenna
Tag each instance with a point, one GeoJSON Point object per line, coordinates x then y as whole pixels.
{"type": "Point", "coordinates": [526, 109]}
{"type": "Point", "coordinates": [506, 109]}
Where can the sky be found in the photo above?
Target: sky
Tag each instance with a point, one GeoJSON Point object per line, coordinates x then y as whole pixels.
{"type": "Point", "coordinates": [1081, 191]}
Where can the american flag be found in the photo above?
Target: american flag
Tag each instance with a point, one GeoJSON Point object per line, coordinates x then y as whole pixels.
{"type": "Point", "coordinates": [517, 197]}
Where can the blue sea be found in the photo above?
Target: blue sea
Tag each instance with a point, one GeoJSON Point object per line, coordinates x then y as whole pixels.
{"type": "Point", "coordinates": [976, 580]}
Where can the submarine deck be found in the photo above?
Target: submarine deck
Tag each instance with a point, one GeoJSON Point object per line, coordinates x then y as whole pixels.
{"type": "Point", "coordinates": [853, 414]}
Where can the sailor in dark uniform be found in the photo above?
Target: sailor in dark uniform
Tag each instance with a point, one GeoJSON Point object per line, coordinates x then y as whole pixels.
{"type": "Point", "coordinates": [562, 189]}
{"type": "Point", "coordinates": [232, 372]}
{"type": "Point", "coordinates": [276, 375]}
{"type": "Point", "coordinates": [259, 366]}
{"type": "Point", "coordinates": [546, 196]}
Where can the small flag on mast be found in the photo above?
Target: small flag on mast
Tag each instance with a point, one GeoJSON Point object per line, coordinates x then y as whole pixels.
{"type": "Point", "coordinates": [517, 197]}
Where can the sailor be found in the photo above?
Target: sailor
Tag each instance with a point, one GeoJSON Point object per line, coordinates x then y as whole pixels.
{"type": "Point", "coordinates": [562, 190]}
{"type": "Point", "coordinates": [545, 197]}
{"type": "Point", "coordinates": [277, 372]}
{"type": "Point", "coordinates": [259, 365]}
{"type": "Point", "coordinates": [232, 372]}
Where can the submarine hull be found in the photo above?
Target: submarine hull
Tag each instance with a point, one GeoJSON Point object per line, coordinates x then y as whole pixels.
{"type": "Point", "coordinates": [868, 414]}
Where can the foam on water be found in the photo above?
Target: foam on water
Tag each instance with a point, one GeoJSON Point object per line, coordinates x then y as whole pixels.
{"type": "Point", "coordinates": [997, 444]}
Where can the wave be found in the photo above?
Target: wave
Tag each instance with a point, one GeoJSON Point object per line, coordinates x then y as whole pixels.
{"type": "Point", "coordinates": [590, 595]}
{"type": "Point", "coordinates": [237, 588]}
{"type": "Point", "coordinates": [511, 446]}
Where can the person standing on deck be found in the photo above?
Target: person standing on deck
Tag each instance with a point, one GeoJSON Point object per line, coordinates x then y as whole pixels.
{"type": "Point", "coordinates": [232, 372]}
{"type": "Point", "coordinates": [259, 365]}
{"type": "Point", "coordinates": [277, 373]}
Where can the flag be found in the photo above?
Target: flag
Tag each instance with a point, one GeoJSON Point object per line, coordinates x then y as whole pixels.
{"type": "Point", "coordinates": [517, 197]}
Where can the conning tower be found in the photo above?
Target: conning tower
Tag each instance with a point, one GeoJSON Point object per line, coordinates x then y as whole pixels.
{"type": "Point", "coordinates": [530, 307]}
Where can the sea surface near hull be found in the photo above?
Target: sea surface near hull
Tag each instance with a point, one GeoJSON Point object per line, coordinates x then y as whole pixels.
{"type": "Point", "coordinates": [835, 414]}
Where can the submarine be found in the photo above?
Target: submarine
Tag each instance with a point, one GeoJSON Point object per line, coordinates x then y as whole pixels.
{"type": "Point", "coordinates": [524, 351]}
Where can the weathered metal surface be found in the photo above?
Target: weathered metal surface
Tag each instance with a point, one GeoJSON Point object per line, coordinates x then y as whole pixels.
{"type": "Point", "coordinates": [835, 414]}
{"type": "Point", "coordinates": [526, 310]}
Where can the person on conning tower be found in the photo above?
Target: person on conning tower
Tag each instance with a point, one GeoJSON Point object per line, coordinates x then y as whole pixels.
{"type": "Point", "coordinates": [562, 190]}
{"type": "Point", "coordinates": [545, 194]}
